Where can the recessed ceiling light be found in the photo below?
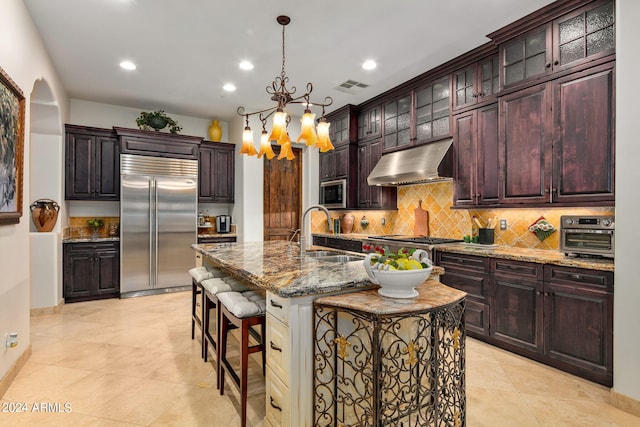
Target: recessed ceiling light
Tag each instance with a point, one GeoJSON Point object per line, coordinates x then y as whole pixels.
{"type": "Point", "coordinates": [229, 87]}
{"type": "Point", "coordinates": [128, 65]}
{"type": "Point", "coordinates": [246, 65]}
{"type": "Point", "coordinates": [369, 64]}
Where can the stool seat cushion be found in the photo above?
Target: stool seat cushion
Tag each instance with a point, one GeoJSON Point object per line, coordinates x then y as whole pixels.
{"type": "Point", "coordinates": [200, 273]}
{"type": "Point", "coordinates": [218, 285]}
{"type": "Point", "coordinates": [246, 304]}
{"type": "Point", "coordinates": [216, 272]}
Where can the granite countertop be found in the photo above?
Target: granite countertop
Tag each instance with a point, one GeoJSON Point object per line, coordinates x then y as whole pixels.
{"type": "Point", "coordinates": [506, 252]}
{"type": "Point", "coordinates": [431, 294]}
{"type": "Point", "coordinates": [277, 267]}
{"type": "Point", "coordinates": [529, 255]}
{"type": "Point", "coordinates": [90, 240]}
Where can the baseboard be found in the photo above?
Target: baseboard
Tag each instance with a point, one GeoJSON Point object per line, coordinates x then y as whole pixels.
{"type": "Point", "coordinates": [46, 311]}
{"type": "Point", "coordinates": [625, 403]}
{"type": "Point", "coordinates": [6, 381]}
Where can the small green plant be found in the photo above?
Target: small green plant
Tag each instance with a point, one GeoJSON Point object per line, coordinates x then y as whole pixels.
{"type": "Point", "coordinates": [95, 222]}
{"type": "Point", "coordinates": [157, 120]}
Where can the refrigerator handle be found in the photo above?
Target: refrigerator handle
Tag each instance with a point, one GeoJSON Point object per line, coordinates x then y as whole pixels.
{"type": "Point", "coordinates": [155, 237]}
{"type": "Point", "coordinates": [151, 227]}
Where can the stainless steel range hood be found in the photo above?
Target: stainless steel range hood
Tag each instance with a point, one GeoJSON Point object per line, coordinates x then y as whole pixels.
{"type": "Point", "coordinates": [412, 166]}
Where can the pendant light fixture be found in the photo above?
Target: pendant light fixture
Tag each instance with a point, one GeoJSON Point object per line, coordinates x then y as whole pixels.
{"type": "Point", "coordinates": [283, 96]}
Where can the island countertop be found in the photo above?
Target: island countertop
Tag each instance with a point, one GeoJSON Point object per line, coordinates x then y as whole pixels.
{"type": "Point", "coordinates": [277, 267]}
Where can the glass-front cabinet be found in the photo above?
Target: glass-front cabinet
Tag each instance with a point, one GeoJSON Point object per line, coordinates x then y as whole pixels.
{"type": "Point", "coordinates": [432, 111]}
{"type": "Point", "coordinates": [477, 83]}
{"type": "Point", "coordinates": [397, 123]}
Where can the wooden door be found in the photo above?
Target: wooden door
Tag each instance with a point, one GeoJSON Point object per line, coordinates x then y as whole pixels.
{"type": "Point", "coordinates": [282, 196]}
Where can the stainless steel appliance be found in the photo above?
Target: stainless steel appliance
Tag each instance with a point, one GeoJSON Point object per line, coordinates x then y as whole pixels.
{"type": "Point", "coordinates": [422, 242]}
{"type": "Point", "coordinates": [223, 224]}
{"type": "Point", "coordinates": [587, 236]}
{"type": "Point", "coordinates": [158, 211]}
{"type": "Point", "coordinates": [333, 194]}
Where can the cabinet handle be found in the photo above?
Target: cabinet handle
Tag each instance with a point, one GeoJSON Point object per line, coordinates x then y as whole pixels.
{"type": "Point", "coordinates": [273, 347]}
{"type": "Point", "coordinates": [275, 304]}
{"type": "Point", "coordinates": [548, 65]}
{"type": "Point", "coordinates": [576, 276]}
{"type": "Point", "coordinates": [273, 405]}
{"type": "Point", "coordinates": [556, 62]}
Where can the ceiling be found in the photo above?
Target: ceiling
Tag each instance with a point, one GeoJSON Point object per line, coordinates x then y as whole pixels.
{"type": "Point", "coordinates": [186, 51]}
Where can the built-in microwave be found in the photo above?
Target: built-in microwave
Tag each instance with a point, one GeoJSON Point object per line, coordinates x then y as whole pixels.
{"type": "Point", "coordinates": [333, 194]}
{"type": "Point", "coordinates": [587, 235]}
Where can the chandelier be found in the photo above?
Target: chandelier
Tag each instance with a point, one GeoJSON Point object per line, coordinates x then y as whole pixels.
{"type": "Point", "coordinates": [283, 96]}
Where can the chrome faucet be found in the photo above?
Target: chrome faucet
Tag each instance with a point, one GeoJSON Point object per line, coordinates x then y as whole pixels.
{"type": "Point", "coordinates": [303, 233]}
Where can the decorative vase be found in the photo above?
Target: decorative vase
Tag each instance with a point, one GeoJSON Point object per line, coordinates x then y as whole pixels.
{"type": "Point", "coordinates": [346, 223]}
{"type": "Point", "coordinates": [215, 131]}
{"type": "Point", "coordinates": [44, 213]}
{"type": "Point", "coordinates": [157, 123]}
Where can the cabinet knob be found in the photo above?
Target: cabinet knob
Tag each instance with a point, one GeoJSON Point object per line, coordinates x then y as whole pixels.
{"type": "Point", "coordinates": [556, 62]}
{"type": "Point", "coordinates": [547, 65]}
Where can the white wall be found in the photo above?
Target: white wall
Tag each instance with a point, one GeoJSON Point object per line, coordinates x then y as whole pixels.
{"type": "Point", "coordinates": [24, 59]}
{"type": "Point", "coordinates": [626, 348]}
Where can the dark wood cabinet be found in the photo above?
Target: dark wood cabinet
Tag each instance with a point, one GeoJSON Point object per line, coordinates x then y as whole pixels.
{"type": "Point", "coordinates": [584, 119]}
{"type": "Point", "coordinates": [432, 111]}
{"type": "Point", "coordinates": [557, 315]}
{"type": "Point", "coordinates": [91, 271]}
{"type": "Point", "coordinates": [517, 302]}
{"type": "Point", "coordinates": [375, 197]}
{"type": "Point", "coordinates": [370, 123]}
{"type": "Point", "coordinates": [579, 321]}
{"type": "Point", "coordinates": [338, 243]}
{"type": "Point", "coordinates": [469, 274]}
{"type": "Point", "coordinates": [582, 35]}
{"type": "Point", "coordinates": [525, 146]}
{"type": "Point", "coordinates": [344, 125]}
{"type": "Point", "coordinates": [557, 141]}
{"type": "Point", "coordinates": [338, 163]}
{"type": "Point", "coordinates": [216, 172]}
{"type": "Point", "coordinates": [220, 239]}
{"type": "Point", "coordinates": [158, 144]}
{"type": "Point", "coordinates": [397, 123]}
{"type": "Point", "coordinates": [479, 82]}
{"type": "Point", "coordinates": [92, 164]}
{"type": "Point", "coordinates": [475, 148]}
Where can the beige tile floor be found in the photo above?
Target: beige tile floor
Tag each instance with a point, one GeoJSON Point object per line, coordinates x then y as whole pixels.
{"type": "Point", "coordinates": [132, 362]}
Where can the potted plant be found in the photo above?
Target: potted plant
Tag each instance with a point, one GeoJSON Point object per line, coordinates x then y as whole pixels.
{"type": "Point", "coordinates": [95, 224]}
{"type": "Point", "coordinates": [157, 120]}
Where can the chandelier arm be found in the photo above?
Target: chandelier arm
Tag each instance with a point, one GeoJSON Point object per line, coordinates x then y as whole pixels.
{"type": "Point", "coordinates": [241, 112]}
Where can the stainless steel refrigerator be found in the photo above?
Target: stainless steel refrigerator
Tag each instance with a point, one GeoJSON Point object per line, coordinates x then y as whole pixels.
{"type": "Point", "coordinates": [158, 214]}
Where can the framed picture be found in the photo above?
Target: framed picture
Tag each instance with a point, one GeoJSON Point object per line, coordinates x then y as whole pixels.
{"type": "Point", "coordinates": [11, 150]}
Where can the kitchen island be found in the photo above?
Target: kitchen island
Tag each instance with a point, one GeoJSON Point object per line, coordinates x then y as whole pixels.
{"type": "Point", "coordinates": [292, 283]}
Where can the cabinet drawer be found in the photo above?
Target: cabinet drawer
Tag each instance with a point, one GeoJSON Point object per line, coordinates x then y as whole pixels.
{"type": "Point", "coordinates": [199, 262]}
{"type": "Point", "coordinates": [278, 307]}
{"type": "Point", "coordinates": [468, 262]}
{"type": "Point", "coordinates": [278, 403]}
{"type": "Point", "coordinates": [602, 280]}
{"type": "Point", "coordinates": [84, 246]}
{"type": "Point", "coordinates": [519, 268]}
{"type": "Point", "coordinates": [278, 348]}
{"type": "Point", "coordinates": [472, 282]}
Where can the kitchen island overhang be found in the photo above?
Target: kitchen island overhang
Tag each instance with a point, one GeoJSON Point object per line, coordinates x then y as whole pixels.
{"type": "Point", "coordinates": [293, 283]}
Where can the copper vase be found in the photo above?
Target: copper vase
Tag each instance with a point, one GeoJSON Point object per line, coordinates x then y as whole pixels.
{"type": "Point", "coordinates": [346, 223]}
{"type": "Point", "coordinates": [44, 213]}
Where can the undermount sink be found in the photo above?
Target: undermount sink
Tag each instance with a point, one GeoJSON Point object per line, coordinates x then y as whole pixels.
{"type": "Point", "coordinates": [340, 258]}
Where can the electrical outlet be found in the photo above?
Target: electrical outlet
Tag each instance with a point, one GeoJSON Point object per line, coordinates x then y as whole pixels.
{"type": "Point", "coordinates": [503, 224]}
{"type": "Point", "coordinates": [383, 221]}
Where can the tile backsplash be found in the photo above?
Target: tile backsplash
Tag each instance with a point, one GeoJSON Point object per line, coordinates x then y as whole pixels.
{"type": "Point", "coordinates": [437, 199]}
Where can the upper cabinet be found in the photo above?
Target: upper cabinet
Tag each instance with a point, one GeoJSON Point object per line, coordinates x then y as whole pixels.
{"type": "Point", "coordinates": [344, 125]}
{"type": "Point", "coordinates": [216, 172]}
{"type": "Point", "coordinates": [397, 123]}
{"type": "Point", "coordinates": [370, 123]}
{"type": "Point", "coordinates": [476, 83]}
{"type": "Point", "coordinates": [572, 40]}
{"type": "Point", "coordinates": [92, 164]}
{"type": "Point", "coordinates": [432, 111]}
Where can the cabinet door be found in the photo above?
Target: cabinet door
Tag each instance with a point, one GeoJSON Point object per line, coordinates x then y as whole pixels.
{"type": "Point", "coordinates": [397, 123]}
{"type": "Point", "coordinates": [488, 78]}
{"type": "Point", "coordinates": [465, 158]}
{"type": "Point", "coordinates": [579, 329]}
{"type": "Point", "coordinates": [327, 166]}
{"type": "Point", "coordinates": [375, 192]}
{"type": "Point", "coordinates": [584, 145]}
{"type": "Point", "coordinates": [223, 179]}
{"type": "Point", "coordinates": [80, 167]}
{"type": "Point", "coordinates": [107, 171]}
{"type": "Point", "coordinates": [78, 273]}
{"type": "Point", "coordinates": [432, 111]}
{"type": "Point", "coordinates": [341, 160]}
{"type": "Point", "coordinates": [525, 146]}
{"type": "Point", "coordinates": [205, 174]}
{"type": "Point", "coordinates": [363, 172]}
{"type": "Point", "coordinates": [584, 35]}
{"type": "Point", "coordinates": [464, 87]}
{"type": "Point", "coordinates": [107, 272]}
{"type": "Point", "coordinates": [488, 167]}
{"type": "Point", "coordinates": [526, 57]}
{"type": "Point", "coordinates": [369, 123]}
{"type": "Point", "coordinates": [517, 312]}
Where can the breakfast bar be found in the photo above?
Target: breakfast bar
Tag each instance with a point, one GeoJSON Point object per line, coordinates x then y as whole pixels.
{"type": "Point", "coordinates": [292, 283]}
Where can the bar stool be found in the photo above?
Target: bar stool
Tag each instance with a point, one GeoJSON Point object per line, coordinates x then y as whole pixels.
{"type": "Point", "coordinates": [198, 275]}
{"type": "Point", "coordinates": [243, 311]}
{"type": "Point", "coordinates": [211, 288]}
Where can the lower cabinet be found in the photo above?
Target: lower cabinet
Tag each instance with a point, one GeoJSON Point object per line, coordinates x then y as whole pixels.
{"type": "Point", "coordinates": [337, 243]}
{"type": "Point", "coordinates": [229, 239]}
{"type": "Point", "coordinates": [560, 316]}
{"type": "Point", "coordinates": [91, 270]}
